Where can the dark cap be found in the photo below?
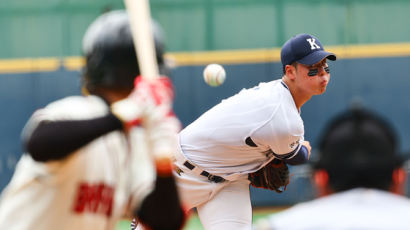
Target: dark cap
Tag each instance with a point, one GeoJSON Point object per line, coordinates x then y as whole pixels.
{"type": "Point", "coordinates": [358, 140]}
{"type": "Point", "coordinates": [305, 49]}
{"type": "Point", "coordinates": [359, 149]}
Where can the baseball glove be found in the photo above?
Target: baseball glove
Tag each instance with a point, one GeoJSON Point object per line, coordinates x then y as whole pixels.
{"type": "Point", "coordinates": [274, 176]}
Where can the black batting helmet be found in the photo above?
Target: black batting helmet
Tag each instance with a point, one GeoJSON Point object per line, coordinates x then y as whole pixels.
{"type": "Point", "coordinates": [111, 61]}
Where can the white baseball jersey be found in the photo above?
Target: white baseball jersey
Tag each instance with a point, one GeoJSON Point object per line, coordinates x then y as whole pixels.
{"type": "Point", "coordinates": [267, 114]}
{"type": "Point", "coordinates": [364, 209]}
{"type": "Point", "coordinates": [89, 189]}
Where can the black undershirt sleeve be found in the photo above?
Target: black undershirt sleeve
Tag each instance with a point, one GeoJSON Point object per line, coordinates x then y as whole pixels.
{"type": "Point", "coordinates": [54, 140]}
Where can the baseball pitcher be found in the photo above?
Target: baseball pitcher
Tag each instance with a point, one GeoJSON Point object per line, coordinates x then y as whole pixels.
{"type": "Point", "coordinates": [250, 138]}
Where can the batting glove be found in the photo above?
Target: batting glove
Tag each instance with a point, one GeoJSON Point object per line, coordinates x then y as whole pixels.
{"type": "Point", "coordinates": [150, 104]}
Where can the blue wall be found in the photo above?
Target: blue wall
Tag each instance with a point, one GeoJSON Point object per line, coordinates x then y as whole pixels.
{"type": "Point", "coordinates": [380, 83]}
{"type": "Point", "coordinates": [20, 96]}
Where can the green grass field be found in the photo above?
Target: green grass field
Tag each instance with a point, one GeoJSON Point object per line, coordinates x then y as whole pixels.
{"type": "Point", "coordinates": [194, 223]}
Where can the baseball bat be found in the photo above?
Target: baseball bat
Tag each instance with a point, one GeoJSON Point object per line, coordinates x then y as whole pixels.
{"type": "Point", "coordinates": [142, 34]}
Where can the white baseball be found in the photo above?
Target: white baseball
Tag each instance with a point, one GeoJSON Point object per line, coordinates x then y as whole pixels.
{"type": "Point", "coordinates": [214, 75]}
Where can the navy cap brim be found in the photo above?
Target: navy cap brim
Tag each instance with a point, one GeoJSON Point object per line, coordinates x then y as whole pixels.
{"type": "Point", "coordinates": [316, 57]}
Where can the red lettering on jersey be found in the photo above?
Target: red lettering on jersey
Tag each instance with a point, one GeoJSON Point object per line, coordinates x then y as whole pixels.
{"type": "Point", "coordinates": [94, 198]}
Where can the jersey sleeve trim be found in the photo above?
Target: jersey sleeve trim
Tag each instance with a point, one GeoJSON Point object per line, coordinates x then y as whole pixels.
{"type": "Point", "coordinates": [288, 155]}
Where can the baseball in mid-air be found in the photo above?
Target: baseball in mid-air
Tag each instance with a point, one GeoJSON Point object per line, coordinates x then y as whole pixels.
{"type": "Point", "coordinates": [214, 75]}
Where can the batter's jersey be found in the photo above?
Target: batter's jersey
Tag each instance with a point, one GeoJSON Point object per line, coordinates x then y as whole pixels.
{"type": "Point", "coordinates": [266, 114]}
{"type": "Point", "coordinates": [364, 209]}
{"type": "Point", "coordinates": [89, 189]}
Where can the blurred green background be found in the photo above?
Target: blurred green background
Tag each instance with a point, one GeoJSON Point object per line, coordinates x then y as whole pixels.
{"type": "Point", "coordinates": [54, 28]}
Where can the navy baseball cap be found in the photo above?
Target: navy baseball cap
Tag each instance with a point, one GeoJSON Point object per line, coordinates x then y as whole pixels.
{"type": "Point", "coordinates": [305, 49]}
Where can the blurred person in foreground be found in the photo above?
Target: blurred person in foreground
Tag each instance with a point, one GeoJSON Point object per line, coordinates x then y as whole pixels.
{"type": "Point", "coordinates": [359, 178]}
{"type": "Point", "coordinates": [92, 159]}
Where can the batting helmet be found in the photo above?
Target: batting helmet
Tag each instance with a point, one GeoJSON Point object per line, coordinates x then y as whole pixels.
{"type": "Point", "coordinates": [111, 61]}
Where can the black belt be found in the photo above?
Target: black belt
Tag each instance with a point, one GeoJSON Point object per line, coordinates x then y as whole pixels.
{"type": "Point", "coordinates": [213, 178]}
